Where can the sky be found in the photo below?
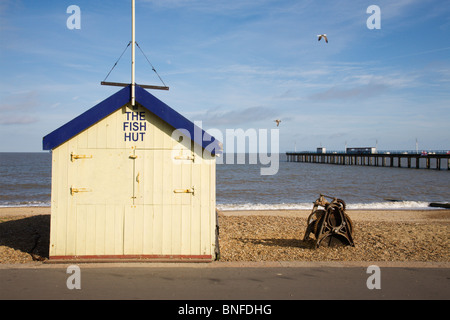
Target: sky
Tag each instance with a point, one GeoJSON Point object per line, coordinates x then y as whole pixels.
{"type": "Point", "coordinates": [236, 64]}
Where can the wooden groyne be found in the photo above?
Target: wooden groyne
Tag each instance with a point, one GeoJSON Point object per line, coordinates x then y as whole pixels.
{"type": "Point", "coordinates": [432, 160]}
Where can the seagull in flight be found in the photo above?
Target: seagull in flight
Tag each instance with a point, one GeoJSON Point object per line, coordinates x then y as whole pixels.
{"type": "Point", "coordinates": [323, 36]}
{"type": "Point", "coordinates": [278, 122]}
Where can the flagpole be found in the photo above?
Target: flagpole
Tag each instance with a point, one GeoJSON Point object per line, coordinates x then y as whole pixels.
{"type": "Point", "coordinates": [133, 42]}
{"type": "Point", "coordinates": [133, 64]}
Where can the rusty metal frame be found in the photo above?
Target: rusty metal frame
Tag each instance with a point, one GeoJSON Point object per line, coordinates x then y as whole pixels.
{"type": "Point", "coordinates": [329, 223]}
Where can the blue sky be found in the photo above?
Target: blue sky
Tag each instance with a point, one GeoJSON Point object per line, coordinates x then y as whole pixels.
{"type": "Point", "coordinates": [236, 64]}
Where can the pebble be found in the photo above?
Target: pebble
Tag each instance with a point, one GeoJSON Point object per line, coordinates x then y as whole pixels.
{"type": "Point", "coordinates": [275, 238]}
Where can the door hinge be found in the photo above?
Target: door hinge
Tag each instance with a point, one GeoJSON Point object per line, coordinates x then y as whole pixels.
{"type": "Point", "coordinates": [181, 157]}
{"type": "Point", "coordinates": [190, 190]}
{"type": "Point", "coordinates": [74, 157]}
{"type": "Point", "coordinates": [76, 190]}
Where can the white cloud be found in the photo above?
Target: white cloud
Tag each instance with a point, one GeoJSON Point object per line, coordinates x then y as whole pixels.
{"type": "Point", "coordinates": [246, 117]}
{"type": "Point", "coordinates": [19, 101]}
{"type": "Point", "coordinates": [17, 119]}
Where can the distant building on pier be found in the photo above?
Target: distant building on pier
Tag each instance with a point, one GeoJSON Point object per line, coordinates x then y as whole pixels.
{"type": "Point", "coordinates": [364, 150]}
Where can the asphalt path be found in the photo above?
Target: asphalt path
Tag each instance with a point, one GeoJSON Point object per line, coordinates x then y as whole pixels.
{"type": "Point", "coordinates": [224, 281]}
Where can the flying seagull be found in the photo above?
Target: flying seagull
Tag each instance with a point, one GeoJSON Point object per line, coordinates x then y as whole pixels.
{"type": "Point", "coordinates": [278, 122]}
{"type": "Point", "coordinates": [323, 36]}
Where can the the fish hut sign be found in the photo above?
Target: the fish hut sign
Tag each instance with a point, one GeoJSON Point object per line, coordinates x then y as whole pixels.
{"type": "Point", "coordinates": [132, 183]}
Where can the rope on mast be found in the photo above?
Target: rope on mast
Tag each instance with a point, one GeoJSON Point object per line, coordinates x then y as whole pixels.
{"type": "Point", "coordinates": [117, 60]}
{"type": "Point", "coordinates": [153, 68]}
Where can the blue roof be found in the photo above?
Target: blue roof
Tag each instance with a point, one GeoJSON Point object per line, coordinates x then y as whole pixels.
{"type": "Point", "coordinates": [116, 101]}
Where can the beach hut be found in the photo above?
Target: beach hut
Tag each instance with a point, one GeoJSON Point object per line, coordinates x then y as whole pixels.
{"type": "Point", "coordinates": [132, 181]}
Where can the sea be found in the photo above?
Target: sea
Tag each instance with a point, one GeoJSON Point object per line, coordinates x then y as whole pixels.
{"type": "Point", "coordinates": [25, 180]}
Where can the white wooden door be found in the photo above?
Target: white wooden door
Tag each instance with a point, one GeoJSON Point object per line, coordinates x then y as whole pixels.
{"type": "Point", "coordinates": [163, 177]}
{"type": "Point", "coordinates": [102, 176]}
{"type": "Point", "coordinates": [159, 222]}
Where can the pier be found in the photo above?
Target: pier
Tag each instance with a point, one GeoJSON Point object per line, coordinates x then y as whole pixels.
{"type": "Point", "coordinates": [401, 159]}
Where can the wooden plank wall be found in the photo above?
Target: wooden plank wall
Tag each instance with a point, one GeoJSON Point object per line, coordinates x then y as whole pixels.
{"type": "Point", "coordinates": [141, 216]}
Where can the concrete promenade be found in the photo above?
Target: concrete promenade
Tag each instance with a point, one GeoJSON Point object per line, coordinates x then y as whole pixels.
{"type": "Point", "coordinates": [227, 281]}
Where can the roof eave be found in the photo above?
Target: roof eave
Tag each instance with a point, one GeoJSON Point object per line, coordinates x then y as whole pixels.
{"type": "Point", "coordinates": [119, 99]}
